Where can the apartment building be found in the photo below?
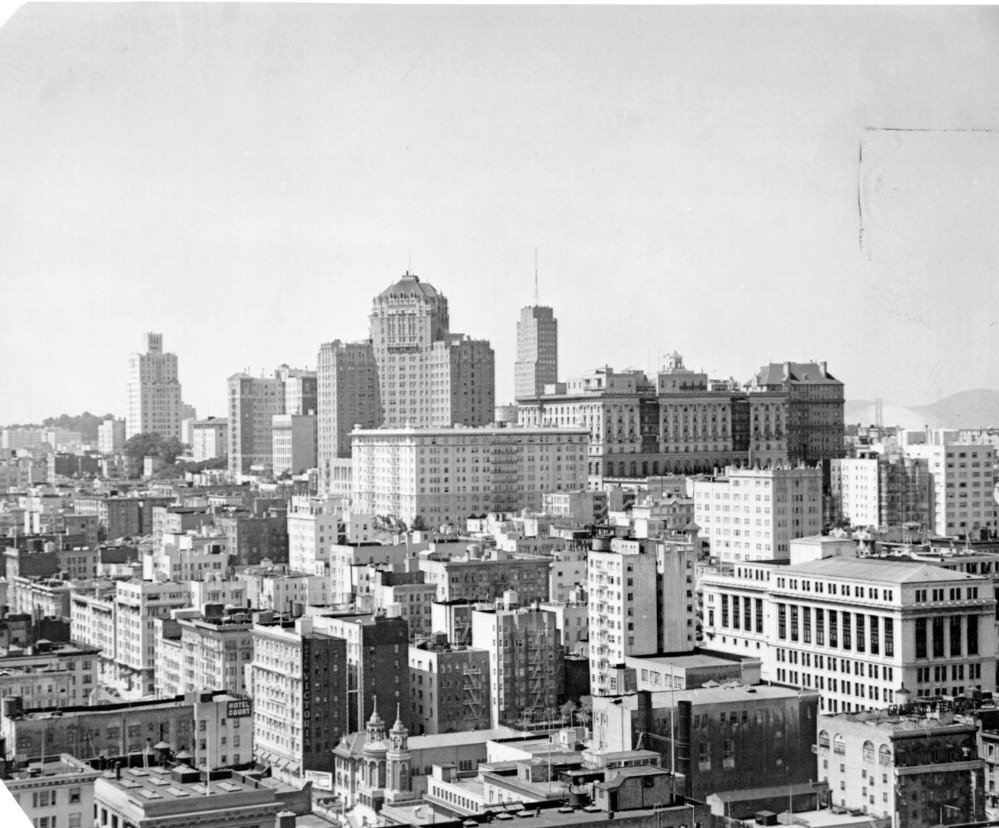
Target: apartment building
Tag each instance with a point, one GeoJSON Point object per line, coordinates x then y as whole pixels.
{"type": "Point", "coordinates": [49, 673]}
{"type": "Point", "coordinates": [298, 681]}
{"type": "Point", "coordinates": [439, 475]}
{"type": "Point", "coordinates": [209, 439]}
{"type": "Point", "coordinates": [641, 602]}
{"type": "Point", "coordinates": [963, 483]}
{"type": "Point", "coordinates": [349, 396]}
{"type": "Point", "coordinates": [110, 435]}
{"type": "Point", "coordinates": [526, 663]}
{"type": "Point", "coordinates": [377, 664]}
{"type": "Point", "coordinates": [313, 527]}
{"type": "Point", "coordinates": [198, 653]}
{"type": "Point", "coordinates": [753, 514]}
{"type": "Point", "coordinates": [913, 768]}
{"type": "Point", "coordinates": [449, 687]}
{"type": "Point", "coordinates": [187, 556]}
{"type": "Point", "coordinates": [881, 491]}
{"type": "Point", "coordinates": [481, 575]}
{"type": "Point", "coordinates": [53, 792]}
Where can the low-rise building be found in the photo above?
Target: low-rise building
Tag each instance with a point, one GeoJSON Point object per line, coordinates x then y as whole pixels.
{"type": "Point", "coordinates": [915, 765]}
{"type": "Point", "coordinates": [58, 791]}
{"type": "Point", "coordinates": [448, 687]}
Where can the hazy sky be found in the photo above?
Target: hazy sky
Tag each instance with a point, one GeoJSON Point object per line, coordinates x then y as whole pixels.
{"type": "Point", "coordinates": [245, 178]}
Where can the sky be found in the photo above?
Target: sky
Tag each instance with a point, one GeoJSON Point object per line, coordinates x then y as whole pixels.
{"type": "Point", "coordinates": [739, 184]}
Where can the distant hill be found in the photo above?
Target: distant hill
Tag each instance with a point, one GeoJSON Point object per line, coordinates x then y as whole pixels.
{"type": "Point", "coordinates": [86, 423]}
{"type": "Point", "coordinates": [966, 409]}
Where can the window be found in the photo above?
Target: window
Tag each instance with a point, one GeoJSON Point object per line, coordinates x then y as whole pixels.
{"type": "Point", "coordinates": [920, 637]}
{"type": "Point", "coordinates": [728, 753]}
{"type": "Point", "coordinates": [74, 795]}
{"type": "Point", "coordinates": [839, 745]}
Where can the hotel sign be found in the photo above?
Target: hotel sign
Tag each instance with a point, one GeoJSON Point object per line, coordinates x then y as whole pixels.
{"type": "Point", "coordinates": [238, 708]}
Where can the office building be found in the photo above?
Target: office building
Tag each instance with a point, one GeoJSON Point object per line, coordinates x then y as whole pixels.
{"type": "Point", "coordinates": [441, 475]}
{"type": "Point", "coordinates": [537, 352]}
{"type": "Point", "coordinates": [428, 376]}
{"type": "Point", "coordinates": [154, 401]}
{"type": "Point", "coordinates": [293, 443]}
{"type": "Point", "coordinates": [858, 630]}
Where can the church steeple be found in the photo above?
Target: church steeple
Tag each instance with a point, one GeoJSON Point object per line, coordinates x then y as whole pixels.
{"type": "Point", "coordinates": [376, 726]}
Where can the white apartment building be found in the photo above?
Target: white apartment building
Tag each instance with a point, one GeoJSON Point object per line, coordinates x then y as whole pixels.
{"type": "Point", "coordinates": [293, 440]}
{"type": "Point", "coordinates": [341, 561]}
{"type": "Point", "coordinates": [187, 556]}
{"type": "Point", "coordinates": [963, 483]}
{"type": "Point", "coordinates": [313, 528]}
{"type": "Point", "coordinates": [203, 654]}
{"type": "Point", "coordinates": [110, 435]}
{"type": "Point", "coordinates": [855, 481]}
{"type": "Point", "coordinates": [154, 402]}
{"type": "Point", "coordinates": [537, 351]}
{"type": "Point", "coordinates": [136, 604]}
{"type": "Point", "coordinates": [209, 438]}
{"type": "Point", "coordinates": [641, 602]}
{"type": "Point", "coordinates": [858, 630]}
{"type": "Point", "coordinates": [750, 514]}
{"type": "Point", "coordinates": [442, 475]}
{"type": "Point", "coordinates": [284, 592]}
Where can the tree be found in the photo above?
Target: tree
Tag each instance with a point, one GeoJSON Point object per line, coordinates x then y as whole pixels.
{"type": "Point", "coordinates": [586, 710]}
{"type": "Point", "coordinates": [568, 711]}
{"type": "Point", "coordinates": [153, 444]}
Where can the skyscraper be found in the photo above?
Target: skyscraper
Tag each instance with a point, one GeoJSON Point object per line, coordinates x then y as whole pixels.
{"type": "Point", "coordinates": [537, 351]}
{"type": "Point", "coordinates": [348, 395]}
{"type": "Point", "coordinates": [427, 375]}
{"type": "Point", "coordinates": [253, 401]}
{"type": "Point", "coordinates": [153, 389]}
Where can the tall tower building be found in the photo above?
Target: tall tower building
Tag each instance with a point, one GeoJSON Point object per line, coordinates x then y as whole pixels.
{"type": "Point", "coordinates": [537, 351]}
{"type": "Point", "coordinates": [153, 391]}
{"type": "Point", "coordinates": [348, 395]}
{"type": "Point", "coordinates": [253, 402]}
{"type": "Point", "coordinates": [427, 375]}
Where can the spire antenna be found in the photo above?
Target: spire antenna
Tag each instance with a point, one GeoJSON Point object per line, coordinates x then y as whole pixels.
{"type": "Point", "coordinates": [537, 300]}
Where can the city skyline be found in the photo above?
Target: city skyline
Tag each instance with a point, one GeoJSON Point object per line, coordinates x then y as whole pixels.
{"type": "Point", "coordinates": [714, 181]}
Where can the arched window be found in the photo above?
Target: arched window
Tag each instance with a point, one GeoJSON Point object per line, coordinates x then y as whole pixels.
{"type": "Point", "coordinates": [839, 746]}
{"type": "Point", "coordinates": [824, 739]}
{"type": "Point", "coordinates": [868, 751]}
{"type": "Point", "coordinates": [884, 755]}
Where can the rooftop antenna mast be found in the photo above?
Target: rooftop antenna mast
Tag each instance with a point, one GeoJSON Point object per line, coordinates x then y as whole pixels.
{"type": "Point", "coordinates": [537, 300]}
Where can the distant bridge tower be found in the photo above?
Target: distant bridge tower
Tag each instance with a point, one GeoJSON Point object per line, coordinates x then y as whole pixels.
{"type": "Point", "coordinates": [879, 413]}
